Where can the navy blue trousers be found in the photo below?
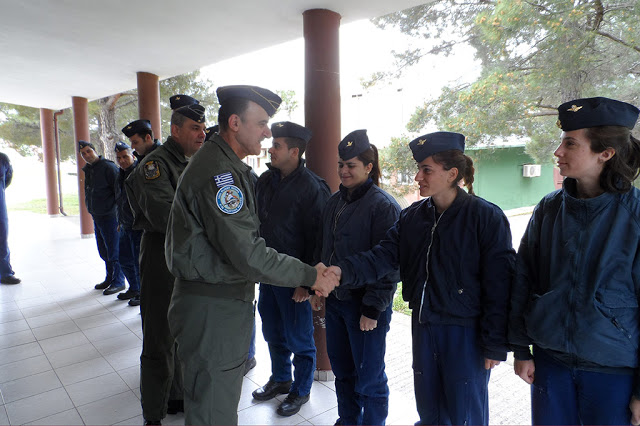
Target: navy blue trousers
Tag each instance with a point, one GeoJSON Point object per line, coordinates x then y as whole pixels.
{"type": "Point", "coordinates": [567, 396]}
{"type": "Point", "coordinates": [449, 377]}
{"type": "Point", "coordinates": [5, 263]}
{"type": "Point", "coordinates": [287, 327]}
{"type": "Point", "coordinates": [130, 256]}
{"type": "Point", "coordinates": [357, 360]}
{"type": "Point", "coordinates": [108, 240]}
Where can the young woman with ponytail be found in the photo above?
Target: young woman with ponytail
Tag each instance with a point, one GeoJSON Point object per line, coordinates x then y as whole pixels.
{"type": "Point", "coordinates": [456, 260]}
{"type": "Point", "coordinates": [575, 295]}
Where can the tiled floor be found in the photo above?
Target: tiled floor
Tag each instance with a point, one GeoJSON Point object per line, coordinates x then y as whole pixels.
{"type": "Point", "coordinates": [69, 355]}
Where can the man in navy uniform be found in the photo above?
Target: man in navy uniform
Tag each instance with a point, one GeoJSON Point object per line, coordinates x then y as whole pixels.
{"type": "Point", "coordinates": [7, 276]}
{"type": "Point", "coordinates": [290, 200]}
{"type": "Point", "coordinates": [100, 197]}
{"type": "Point", "coordinates": [141, 137]}
{"type": "Point", "coordinates": [129, 237]}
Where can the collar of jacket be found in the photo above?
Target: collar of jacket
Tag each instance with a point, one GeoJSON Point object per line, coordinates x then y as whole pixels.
{"type": "Point", "coordinates": [89, 165]}
{"type": "Point", "coordinates": [175, 148]}
{"type": "Point", "coordinates": [460, 199]}
{"type": "Point", "coordinates": [226, 150]}
{"type": "Point", "coordinates": [357, 192]}
{"type": "Point", "coordinates": [276, 175]}
{"type": "Point", "coordinates": [589, 205]}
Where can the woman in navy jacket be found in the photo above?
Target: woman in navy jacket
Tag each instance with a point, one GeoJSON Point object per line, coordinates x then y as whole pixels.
{"type": "Point", "coordinates": [356, 218]}
{"type": "Point", "coordinates": [455, 255]}
{"type": "Point", "coordinates": [575, 296]}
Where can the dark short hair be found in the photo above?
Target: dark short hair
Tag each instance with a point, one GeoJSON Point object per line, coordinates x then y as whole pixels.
{"type": "Point", "coordinates": [231, 106]}
{"type": "Point", "coordinates": [144, 132]}
{"type": "Point", "coordinates": [296, 143]}
{"type": "Point", "coordinates": [623, 168]}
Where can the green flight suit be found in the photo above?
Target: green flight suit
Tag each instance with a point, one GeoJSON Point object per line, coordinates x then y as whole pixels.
{"type": "Point", "coordinates": [214, 251]}
{"type": "Point", "coordinates": [150, 188]}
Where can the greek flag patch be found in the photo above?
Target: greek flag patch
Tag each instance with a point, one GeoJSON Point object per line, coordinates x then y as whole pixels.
{"type": "Point", "coordinates": [223, 179]}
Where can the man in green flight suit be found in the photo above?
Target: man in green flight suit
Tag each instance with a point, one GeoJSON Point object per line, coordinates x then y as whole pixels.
{"type": "Point", "coordinates": [151, 188]}
{"type": "Point", "coordinates": [216, 254]}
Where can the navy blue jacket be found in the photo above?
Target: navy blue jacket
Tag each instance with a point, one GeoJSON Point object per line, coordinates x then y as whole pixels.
{"type": "Point", "coordinates": [125, 215]}
{"type": "Point", "coordinates": [456, 268]}
{"type": "Point", "coordinates": [355, 223]}
{"type": "Point", "coordinates": [99, 187]}
{"type": "Point", "coordinates": [290, 211]}
{"type": "Point", "coordinates": [578, 281]}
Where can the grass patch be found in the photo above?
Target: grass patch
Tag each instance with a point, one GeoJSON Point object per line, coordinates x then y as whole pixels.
{"type": "Point", "coordinates": [69, 203]}
{"type": "Point", "coordinates": [400, 305]}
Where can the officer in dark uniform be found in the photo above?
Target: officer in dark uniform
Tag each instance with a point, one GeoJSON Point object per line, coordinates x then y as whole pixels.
{"type": "Point", "coordinates": [290, 201]}
{"type": "Point", "coordinates": [100, 197]}
{"type": "Point", "coordinates": [151, 189]}
{"type": "Point", "coordinates": [141, 137]}
{"type": "Point", "coordinates": [7, 276]}
{"type": "Point", "coordinates": [214, 251]}
{"type": "Point", "coordinates": [129, 237]}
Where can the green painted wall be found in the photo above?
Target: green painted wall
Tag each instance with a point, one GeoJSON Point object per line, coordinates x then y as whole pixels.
{"type": "Point", "coordinates": [498, 177]}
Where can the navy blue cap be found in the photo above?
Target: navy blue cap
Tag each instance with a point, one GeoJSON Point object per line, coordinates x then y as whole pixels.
{"type": "Point", "coordinates": [121, 146]}
{"type": "Point", "coordinates": [593, 112]}
{"type": "Point", "coordinates": [178, 101]}
{"type": "Point", "coordinates": [82, 144]}
{"type": "Point", "coordinates": [136, 126]}
{"type": "Point", "coordinates": [263, 97]}
{"type": "Point", "coordinates": [193, 111]}
{"type": "Point", "coordinates": [211, 132]}
{"type": "Point", "coordinates": [287, 129]}
{"type": "Point", "coordinates": [433, 143]}
{"type": "Point", "coordinates": [354, 144]}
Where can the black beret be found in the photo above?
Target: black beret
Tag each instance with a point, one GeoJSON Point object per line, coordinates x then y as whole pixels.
{"type": "Point", "coordinates": [287, 129]}
{"type": "Point", "coordinates": [121, 146]}
{"type": "Point", "coordinates": [193, 111]}
{"type": "Point", "coordinates": [177, 101]}
{"type": "Point", "coordinates": [433, 143]}
{"type": "Point", "coordinates": [592, 112]}
{"type": "Point", "coordinates": [82, 144]}
{"type": "Point", "coordinates": [263, 97]}
{"type": "Point", "coordinates": [136, 126]}
{"type": "Point", "coordinates": [354, 144]}
{"type": "Point", "coordinates": [211, 131]}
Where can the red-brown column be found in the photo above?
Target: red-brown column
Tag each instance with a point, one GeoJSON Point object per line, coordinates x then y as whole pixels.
{"type": "Point", "coordinates": [322, 116]}
{"type": "Point", "coordinates": [81, 132]}
{"type": "Point", "coordinates": [49, 157]}
{"type": "Point", "coordinates": [149, 101]}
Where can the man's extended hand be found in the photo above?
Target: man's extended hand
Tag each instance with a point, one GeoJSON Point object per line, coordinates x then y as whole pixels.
{"type": "Point", "coordinates": [325, 283]}
{"type": "Point", "coordinates": [335, 270]}
{"type": "Point", "coordinates": [525, 369]}
{"type": "Point", "coordinates": [300, 294]}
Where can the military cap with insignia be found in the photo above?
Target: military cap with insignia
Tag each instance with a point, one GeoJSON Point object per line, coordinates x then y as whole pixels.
{"type": "Point", "coordinates": [593, 112]}
{"type": "Point", "coordinates": [287, 129]}
{"type": "Point", "coordinates": [263, 97]}
{"type": "Point", "coordinates": [135, 127]}
{"type": "Point", "coordinates": [178, 101]}
{"type": "Point", "coordinates": [121, 146]}
{"type": "Point", "coordinates": [193, 111]}
{"type": "Point", "coordinates": [433, 143]}
{"type": "Point", "coordinates": [82, 144]}
{"type": "Point", "coordinates": [354, 144]}
{"type": "Point", "coordinates": [211, 131]}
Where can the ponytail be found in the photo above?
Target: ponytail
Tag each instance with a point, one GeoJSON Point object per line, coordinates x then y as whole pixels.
{"type": "Point", "coordinates": [370, 156]}
{"type": "Point", "coordinates": [456, 158]}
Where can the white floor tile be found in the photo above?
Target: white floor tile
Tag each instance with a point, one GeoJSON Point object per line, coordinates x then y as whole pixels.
{"type": "Point", "coordinates": [29, 386]}
{"type": "Point", "coordinates": [329, 417]}
{"type": "Point", "coordinates": [15, 339]}
{"type": "Point", "coordinates": [4, 419]}
{"type": "Point", "coordinates": [24, 368]}
{"type": "Point", "coordinates": [265, 414]}
{"type": "Point", "coordinates": [12, 315]}
{"type": "Point", "coordinates": [95, 389]}
{"type": "Point", "coordinates": [53, 330]}
{"type": "Point", "coordinates": [111, 410]}
{"type": "Point", "coordinates": [69, 417]}
{"type": "Point", "coordinates": [8, 306]}
{"type": "Point", "coordinates": [13, 327]}
{"type": "Point", "coordinates": [36, 311]}
{"type": "Point", "coordinates": [33, 301]}
{"type": "Point", "coordinates": [124, 359]}
{"type": "Point", "coordinates": [83, 370]}
{"type": "Point", "coordinates": [48, 319]}
{"type": "Point", "coordinates": [96, 320]}
{"type": "Point", "coordinates": [106, 332]}
{"type": "Point", "coordinates": [21, 352]}
{"type": "Point", "coordinates": [63, 342]}
{"type": "Point", "coordinates": [86, 311]}
{"type": "Point", "coordinates": [322, 399]}
{"type": "Point", "coordinates": [38, 406]}
{"type": "Point", "coordinates": [131, 376]}
{"type": "Point", "coordinates": [73, 355]}
{"type": "Point", "coordinates": [118, 343]}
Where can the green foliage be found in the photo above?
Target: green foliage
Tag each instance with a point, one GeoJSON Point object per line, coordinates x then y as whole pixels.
{"type": "Point", "coordinates": [534, 56]}
{"type": "Point", "coordinates": [399, 305]}
{"type": "Point", "coordinates": [289, 102]}
{"type": "Point", "coordinates": [398, 166]}
{"type": "Point", "coordinates": [69, 203]}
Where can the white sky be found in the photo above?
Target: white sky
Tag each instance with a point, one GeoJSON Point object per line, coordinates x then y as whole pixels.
{"type": "Point", "coordinates": [364, 49]}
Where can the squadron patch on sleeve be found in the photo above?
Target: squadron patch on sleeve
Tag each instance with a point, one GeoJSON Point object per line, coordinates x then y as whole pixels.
{"type": "Point", "coordinates": [229, 199]}
{"type": "Point", "coordinates": [151, 170]}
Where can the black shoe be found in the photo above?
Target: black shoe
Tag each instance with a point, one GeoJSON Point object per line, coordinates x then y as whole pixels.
{"type": "Point", "coordinates": [129, 294]}
{"type": "Point", "coordinates": [175, 406]}
{"type": "Point", "coordinates": [271, 389]}
{"type": "Point", "coordinates": [152, 422]}
{"type": "Point", "coordinates": [134, 301]}
{"type": "Point", "coordinates": [249, 365]}
{"type": "Point", "coordinates": [10, 279]}
{"type": "Point", "coordinates": [291, 404]}
{"type": "Point", "coordinates": [102, 285]}
{"type": "Point", "coordinates": [113, 289]}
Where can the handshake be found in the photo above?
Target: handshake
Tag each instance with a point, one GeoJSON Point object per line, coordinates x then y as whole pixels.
{"type": "Point", "coordinates": [327, 279]}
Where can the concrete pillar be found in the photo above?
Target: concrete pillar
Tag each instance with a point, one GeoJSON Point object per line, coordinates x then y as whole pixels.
{"type": "Point", "coordinates": [149, 101]}
{"type": "Point", "coordinates": [322, 92]}
{"type": "Point", "coordinates": [80, 108]}
{"type": "Point", "coordinates": [322, 116]}
{"type": "Point", "coordinates": [49, 159]}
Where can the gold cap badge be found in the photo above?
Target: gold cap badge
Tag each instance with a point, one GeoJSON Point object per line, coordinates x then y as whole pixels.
{"type": "Point", "coordinates": [349, 143]}
{"type": "Point", "coordinates": [574, 108]}
{"type": "Point", "coordinates": [421, 141]}
{"type": "Point", "coordinates": [280, 125]}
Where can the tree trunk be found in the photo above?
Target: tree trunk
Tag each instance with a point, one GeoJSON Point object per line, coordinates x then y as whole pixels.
{"type": "Point", "coordinates": [107, 129]}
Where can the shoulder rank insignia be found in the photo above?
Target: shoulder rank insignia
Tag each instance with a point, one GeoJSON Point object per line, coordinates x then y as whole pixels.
{"type": "Point", "coordinates": [574, 108]}
{"type": "Point", "coordinates": [223, 179]}
{"type": "Point", "coordinates": [151, 170]}
{"type": "Point", "coordinates": [230, 199]}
